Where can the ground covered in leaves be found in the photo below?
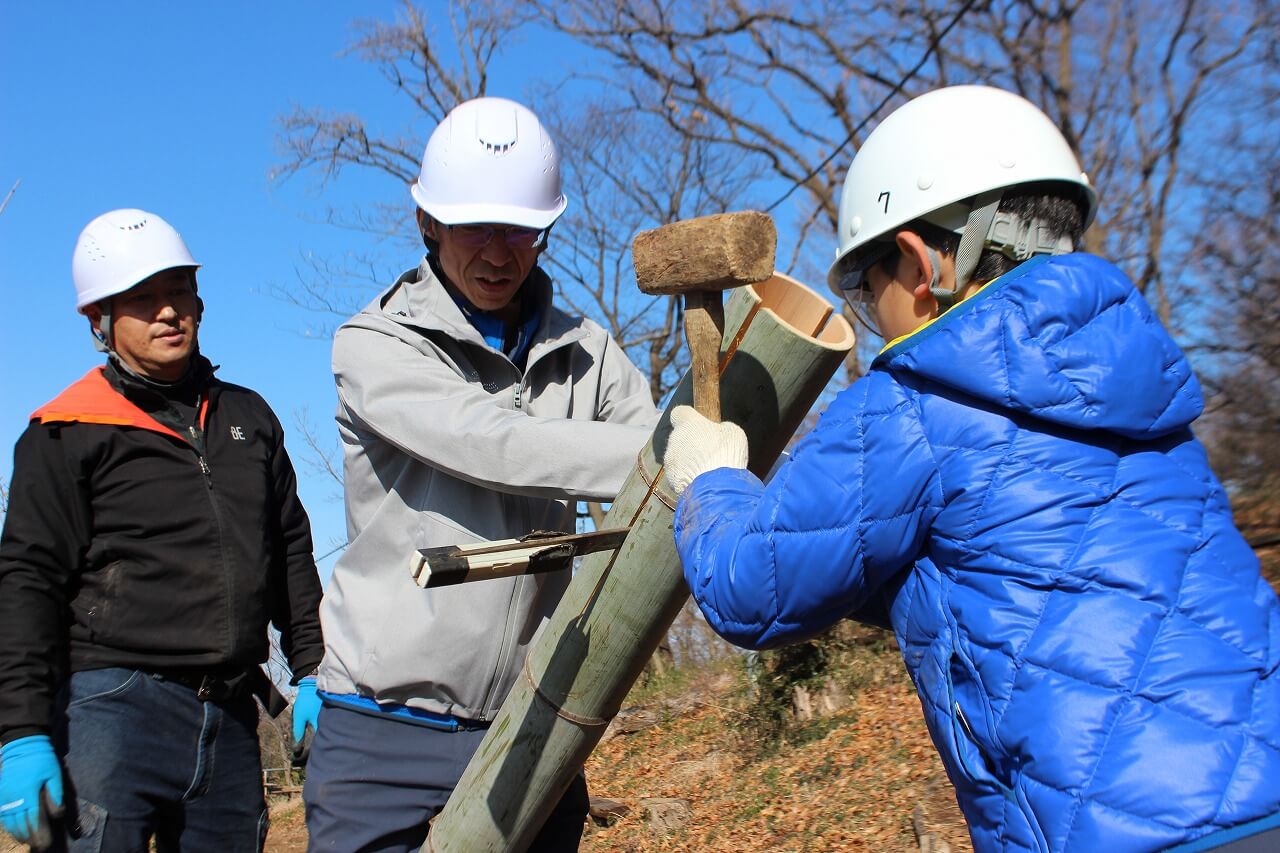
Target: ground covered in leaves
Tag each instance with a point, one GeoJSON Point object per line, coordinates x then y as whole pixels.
{"type": "Point", "coordinates": [850, 781]}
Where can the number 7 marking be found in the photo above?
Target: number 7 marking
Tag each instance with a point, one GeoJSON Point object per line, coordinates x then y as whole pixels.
{"type": "Point", "coordinates": [884, 196]}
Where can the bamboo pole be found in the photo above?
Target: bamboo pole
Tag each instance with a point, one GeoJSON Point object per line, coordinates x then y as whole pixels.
{"type": "Point", "coordinates": [782, 345]}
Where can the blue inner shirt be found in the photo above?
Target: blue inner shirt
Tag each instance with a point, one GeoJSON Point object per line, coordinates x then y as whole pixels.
{"type": "Point", "coordinates": [515, 341]}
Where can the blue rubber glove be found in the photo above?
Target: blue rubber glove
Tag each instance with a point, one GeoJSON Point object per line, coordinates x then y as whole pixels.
{"type": "Point", "coordinates": [30, 790]}
{"type": "Point", "coordinates": [306, 716]}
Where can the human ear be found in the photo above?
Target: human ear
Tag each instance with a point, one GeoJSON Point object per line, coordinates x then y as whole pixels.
{"type": "Point", "coordinates": [93, 313]}
{"type": "Point", "coordinates": [913, 249]}
{"type": "Point", "coordinates": [427, 225]}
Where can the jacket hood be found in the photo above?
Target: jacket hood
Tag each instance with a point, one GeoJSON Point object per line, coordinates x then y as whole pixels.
{"type": "Point", "coordinates": [1067, 339]}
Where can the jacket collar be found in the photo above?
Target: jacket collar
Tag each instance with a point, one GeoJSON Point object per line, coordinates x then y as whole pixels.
{"type": "Point", "coordinates": [96, 399]}
{"type": "Point", "coordinates": [419, 299]}
{"type": "Point", "coordinates": [1066, 339]}
{"type": "Point", "coordinates": [149, 394]}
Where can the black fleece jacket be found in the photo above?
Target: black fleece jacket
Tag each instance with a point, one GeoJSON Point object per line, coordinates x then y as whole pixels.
{"type": "Point", "coordinates": [131, 541]}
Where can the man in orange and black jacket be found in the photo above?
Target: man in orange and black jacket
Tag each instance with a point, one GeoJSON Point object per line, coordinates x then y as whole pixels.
{"type": "Point", "coordinates": [153, 533]}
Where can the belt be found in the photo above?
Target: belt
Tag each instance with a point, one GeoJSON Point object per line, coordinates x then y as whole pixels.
{"type": "Point", "coordinates": [209, 685]}
{"type": "Point", "coordinates": [222, 685]}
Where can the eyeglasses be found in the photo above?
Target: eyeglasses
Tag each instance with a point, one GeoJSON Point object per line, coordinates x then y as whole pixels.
{"type": "Point", "coordinates": [853, 281]}
{"type": "Point", "coordinates": [515, 236]}
{"type": "Point", "coordinates": [854, 266]}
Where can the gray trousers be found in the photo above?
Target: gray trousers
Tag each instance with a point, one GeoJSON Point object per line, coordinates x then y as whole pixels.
{"type": "Point", "coordinates": [373, 783]}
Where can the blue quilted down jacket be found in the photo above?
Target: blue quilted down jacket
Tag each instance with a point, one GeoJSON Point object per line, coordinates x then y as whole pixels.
{"type": "Point", "coordinates": [1017, 486]}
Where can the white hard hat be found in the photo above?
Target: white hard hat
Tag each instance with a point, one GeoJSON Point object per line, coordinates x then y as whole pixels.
{"type": "Point", "coordinates": [490, 160]}
{"type": "Point", "coordinates": [935, 153]}
{"type": "Point", "coordinates": [121, 248]}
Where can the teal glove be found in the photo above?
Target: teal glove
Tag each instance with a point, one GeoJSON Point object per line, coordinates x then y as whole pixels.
{"type": "Point", "coordinates": [306, 717]}
{"type": "Point", "coordinates": [30, 790]}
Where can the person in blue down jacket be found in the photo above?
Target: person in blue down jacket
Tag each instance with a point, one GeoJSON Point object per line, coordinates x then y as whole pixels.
{"type": "Point", "coordinates": [1014, 486]}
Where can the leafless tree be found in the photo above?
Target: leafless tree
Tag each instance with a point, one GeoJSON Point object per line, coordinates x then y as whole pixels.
{"type": "Point", "coordinates": [275, 734]}
{"type": "Point", "coordinates": [321, 458]}
{"type": "Point", "coordinates": [1238, 347]}
{"type": "Point", "coordinates": [1138, 88]}
{"type": "Point", "coordinates": [625, 171]}
{"type": "Point", "coordinates": [434, 62]}
{"type": "Point", "coordinates": [1143, 91]}
{"type": "Point", "coordinates": [1150, 95]}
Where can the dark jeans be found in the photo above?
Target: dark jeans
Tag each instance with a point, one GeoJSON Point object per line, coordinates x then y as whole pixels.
{"type": "Point", "coordinates": [373, 783]}
{"type": "Point", "coordinates": [145, 758]}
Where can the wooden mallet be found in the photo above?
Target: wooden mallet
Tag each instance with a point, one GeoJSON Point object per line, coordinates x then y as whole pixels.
{"type": "Point", "coordinates": [697, 259]}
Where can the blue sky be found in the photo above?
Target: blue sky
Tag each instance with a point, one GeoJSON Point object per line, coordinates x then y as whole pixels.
{"type": "Point", "coordinates": [173, 108]}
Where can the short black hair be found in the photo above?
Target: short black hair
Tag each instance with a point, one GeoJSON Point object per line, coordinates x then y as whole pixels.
{"type": "Point", "coordinates": [1061, 213]}
{"type": "Point", "coordinates": [1059, 207]}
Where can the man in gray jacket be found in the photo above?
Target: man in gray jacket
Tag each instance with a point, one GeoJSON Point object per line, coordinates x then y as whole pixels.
{"type": "Point", "coordinates": [470, 409]}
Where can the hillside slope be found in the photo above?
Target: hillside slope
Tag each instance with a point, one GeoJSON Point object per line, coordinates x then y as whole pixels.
{"type": "Point", "coordinates": [850, 781]}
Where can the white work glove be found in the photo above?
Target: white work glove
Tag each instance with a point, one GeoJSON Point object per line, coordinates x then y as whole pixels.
{"type": "Point", "coordinates": [697, 445]}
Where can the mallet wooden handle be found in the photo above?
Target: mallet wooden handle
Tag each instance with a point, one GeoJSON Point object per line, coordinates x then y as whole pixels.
{"type": "Point", "coordinates": [697, 259]}
{"type": "Point", "coordinates": [704, 330]}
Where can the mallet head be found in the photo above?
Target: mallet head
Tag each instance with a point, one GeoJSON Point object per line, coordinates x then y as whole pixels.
{"type": "Point", "coordinates": [715, 252]}
{"type": "Point", "coordinates": [698, 258]}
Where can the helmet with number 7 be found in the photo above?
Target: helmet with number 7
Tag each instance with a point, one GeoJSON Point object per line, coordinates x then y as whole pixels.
{"type": "Point", "coordinates": [943, 155]}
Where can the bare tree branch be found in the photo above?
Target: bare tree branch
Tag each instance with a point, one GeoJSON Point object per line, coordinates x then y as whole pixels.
{"type": "Point", "coordinates": [13, 189]}
{"type": "Point", "coordinates": [325, 457]}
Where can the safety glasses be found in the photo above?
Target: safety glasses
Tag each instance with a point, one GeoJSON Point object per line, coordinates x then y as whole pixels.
{"type": "Point", "coordinates": [515, 236]}
{"type": "Point", "coordinates": [853, 281]}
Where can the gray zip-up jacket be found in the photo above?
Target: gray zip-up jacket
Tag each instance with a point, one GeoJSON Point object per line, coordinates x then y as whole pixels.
{"type": "Point", "coordinates": [447, 442]}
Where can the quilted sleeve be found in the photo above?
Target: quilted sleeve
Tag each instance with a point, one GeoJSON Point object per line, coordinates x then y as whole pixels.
{"type": "Point", "coordinates": [849, 510]}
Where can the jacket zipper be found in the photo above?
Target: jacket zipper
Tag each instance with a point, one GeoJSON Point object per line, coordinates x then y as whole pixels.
{"type": "Point", "coordinates": [502, 663]}
{"type": "Point", "coordinates": [197, 444]}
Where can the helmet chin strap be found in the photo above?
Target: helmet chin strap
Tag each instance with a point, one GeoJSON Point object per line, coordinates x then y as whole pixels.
{"type": "Point", "coordinates": [935, 277]}
{"type": "Point", "coordinates": [1013, 236]}
{"type": "Point", "coordinates": [972, 241]}
{"type": "Point", "coordinates": [102, 332]}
